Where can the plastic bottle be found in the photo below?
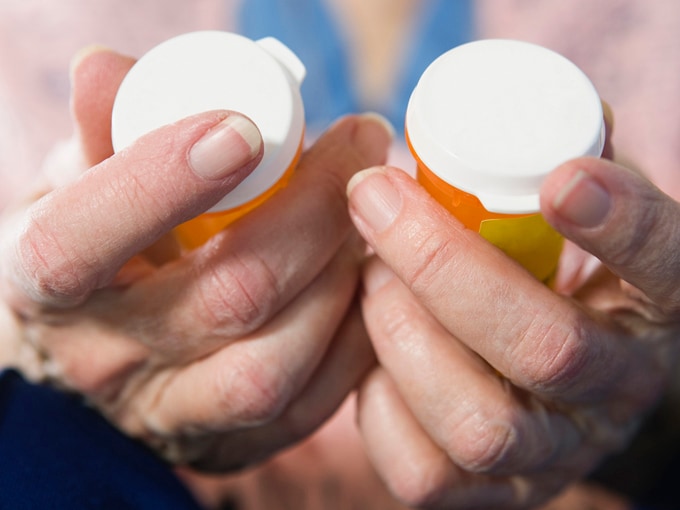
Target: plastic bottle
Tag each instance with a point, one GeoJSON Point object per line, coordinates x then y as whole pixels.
{"type": "Point", "coordinates": [487, 122]}
{"type": "Point", "coordinates": [208, 70]}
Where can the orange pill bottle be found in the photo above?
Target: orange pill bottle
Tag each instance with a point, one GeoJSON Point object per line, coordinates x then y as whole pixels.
{"type": "Point", "coordinates": [210, 70]}
{"type": "Point", "coordinates": [486, 123]}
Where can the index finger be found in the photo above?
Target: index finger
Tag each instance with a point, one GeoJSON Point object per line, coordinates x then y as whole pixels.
{"type": "Point", "coordinates": [76, 238]}
{"type": "Point", "coordinates": [534, 337]}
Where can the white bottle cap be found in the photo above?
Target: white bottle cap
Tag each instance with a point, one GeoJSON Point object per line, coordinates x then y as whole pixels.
{"type": "Point", "coordinates": [494, 117]}
{"type": "Point", "coordinates": [210, 70]}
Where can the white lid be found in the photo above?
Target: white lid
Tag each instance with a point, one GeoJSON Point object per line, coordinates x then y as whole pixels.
{"type": "Point", "coordinates": [494, 117]}
{"type": "Point", "coordinates": [209, 70]}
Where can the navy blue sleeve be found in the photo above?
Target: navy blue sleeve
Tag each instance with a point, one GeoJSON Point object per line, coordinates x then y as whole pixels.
{"type": "Point", "coordinates": [56, 453]}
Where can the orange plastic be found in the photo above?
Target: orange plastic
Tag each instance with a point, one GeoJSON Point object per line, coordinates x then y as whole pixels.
{"type": "Point", "coordinates": [195, 232]}
{"type": "Point", "coordinates": [527, 238]}
{"type": "Point", "coordinates": [464, 206]}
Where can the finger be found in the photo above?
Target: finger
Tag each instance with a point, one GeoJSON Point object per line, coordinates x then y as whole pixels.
{"type": "Point", "coordinates": [247, 273]}
{"type": "Point", "coordinates": [251, 382]}
{"type": "Point", "coordinates": [75, 239]}
{"type": "Point", "coordinates": [421, 475]}
{"type": "Point", "coordinates": [608, 149]}
{"type": "Point", "coordinates": [470, 412]}
{"type": "Point", "coordinates": [621, 218]}
{"type": "Point", "coordinates": [96, 74]}
{"type": "Point", "coordinates": [415, 469]}
{"type": "Point", "coordinates": [534, 337]}
{"type": "Point", "coordinates": [346, 362]}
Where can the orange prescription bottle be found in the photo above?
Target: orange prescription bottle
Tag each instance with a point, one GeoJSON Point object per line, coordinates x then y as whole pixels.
{"type": "Point", "coordinates": [209, 70]}
{"type": "Point", "coordinates": [486, 123]}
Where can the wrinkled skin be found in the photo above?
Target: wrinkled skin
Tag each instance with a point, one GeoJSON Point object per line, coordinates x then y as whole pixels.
{"type": "Point", "coordinates": [220, 357]}
{"type": "Point", "coordinates": [494, 391]}
{"type": "Point", "coordinates": [216, 357]}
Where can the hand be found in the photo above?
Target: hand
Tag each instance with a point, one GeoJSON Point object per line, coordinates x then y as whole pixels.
{"type": "Point", "coordinates": [217, 357]}
{"type": "Point", "coordinates": [494, 391]}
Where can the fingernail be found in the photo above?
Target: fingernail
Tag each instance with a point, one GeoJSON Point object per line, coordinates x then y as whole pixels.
{"type": "Point", "coordinates": [583, 201]}
{"type": "Point", "coordinates": [383, 121]}
{"type": "Point", "coordinates": [81, 55]}
{"type": "Point", "coordinates": [225, 148]}
{"type": "Point", "coordinates": [374, 198]}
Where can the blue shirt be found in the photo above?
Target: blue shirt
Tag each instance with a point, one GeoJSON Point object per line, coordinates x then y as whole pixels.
{"type": "Point", "coordinates": [55, 452]}
{"type": "Point", "coordinates": [308, 29]}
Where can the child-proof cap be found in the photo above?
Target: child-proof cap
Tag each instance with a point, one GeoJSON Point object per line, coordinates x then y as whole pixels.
{"type": "Point", "coordinates": [494, 117]}
{"type": "Point", "coordinates": [210, 70]}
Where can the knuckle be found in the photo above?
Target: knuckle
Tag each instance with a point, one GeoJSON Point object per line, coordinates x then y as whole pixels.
{"type": "Point", "coordinates": [624, 252]}
{"type": "Point", "coordinates": [553, 356]}
{"type": "Point", "coordinates": [397, 320]}
{"type": "Point", "coordinates": [239, 295]}
{"type": "Point", "coordinates": [251, 392]}
{"type": "Point", "coordinates": [484, 444]}
{"type": "Point", "coordinates": [434, 250]}
{"type": "Point", "coordinates": [49, 272]}
{"type": "Point", "coordinates": [397, 323]}
{"type": "Point", "coordinates": [647, 239]}
{"type": "Point", "coordinates": [640, 211]}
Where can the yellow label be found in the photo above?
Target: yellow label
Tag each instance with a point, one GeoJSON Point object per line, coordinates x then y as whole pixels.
{"type": "Point", "coordinates": [530, 240]}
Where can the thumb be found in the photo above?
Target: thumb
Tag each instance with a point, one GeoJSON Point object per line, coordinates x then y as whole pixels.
{"type": "Point", "coordinates": [621, 218]}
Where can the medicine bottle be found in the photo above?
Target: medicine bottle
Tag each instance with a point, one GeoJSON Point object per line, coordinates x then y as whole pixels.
{"type": "Point", "coordinates": [209, 70]}
{"type": "Point", "coordinates": [487, 122]}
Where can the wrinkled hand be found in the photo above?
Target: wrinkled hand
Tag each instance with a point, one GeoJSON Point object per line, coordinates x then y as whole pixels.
{"type": "Point", "coordinates": [493, 390]}
{"type": "Point", "coordinates": [217, 357]}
